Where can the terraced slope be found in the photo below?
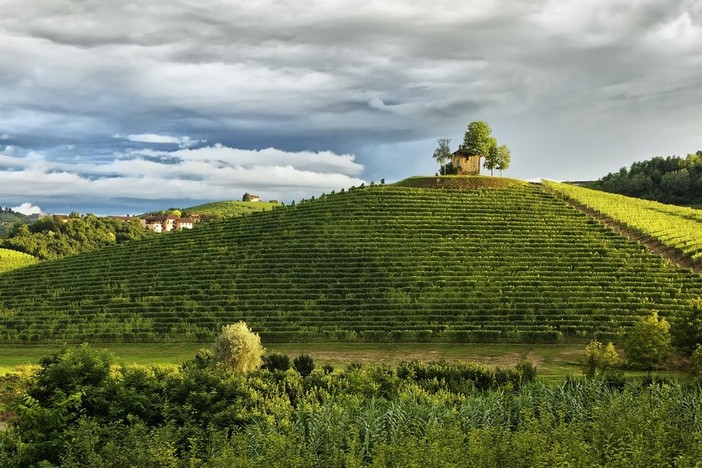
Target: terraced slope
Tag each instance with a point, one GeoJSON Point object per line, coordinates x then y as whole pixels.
{"type": "Point", "coordinates": [229, 209]}
{"type": "Point", "coordinates": [677, 227]}
{"type": "Point", "coordinates": [378, 263]}
{"type": "Point", "coordinates": [11, 259]}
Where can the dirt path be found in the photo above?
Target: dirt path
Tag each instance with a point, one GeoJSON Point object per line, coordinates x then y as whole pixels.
{"type": "Point", "coordinates": [654, 245]}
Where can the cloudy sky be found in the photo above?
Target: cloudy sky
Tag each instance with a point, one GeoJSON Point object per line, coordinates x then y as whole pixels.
{"type": "Point", "coordinates": [122, 107]}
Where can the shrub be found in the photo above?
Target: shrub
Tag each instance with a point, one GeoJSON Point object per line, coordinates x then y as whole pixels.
{"type": "Point", "coordinates": [303, 364]}
{"type": "Point", "coordinates": [237, 348]}
{"type": "Point", "coordinates": [276, 361]}
{"type": "Point", "coordinates": [599, 360]}
{"type": "Point", "coordinates": [648, 343]}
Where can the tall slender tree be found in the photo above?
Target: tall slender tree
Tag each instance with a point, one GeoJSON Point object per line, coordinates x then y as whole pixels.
{"type": "Point", "coordinates": [492, 156]}
{"type": "Point", "coordinates": [503, 158]}
{"type": "Point", "coordinates": [442, 153]}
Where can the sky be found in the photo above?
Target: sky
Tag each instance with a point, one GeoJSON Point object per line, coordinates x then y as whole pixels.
{"type": "Point", "coordinates": [125, 107]}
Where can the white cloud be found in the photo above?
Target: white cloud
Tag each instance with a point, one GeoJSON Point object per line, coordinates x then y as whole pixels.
{"type": "Point", "coordinates": [27, 209]}
{"type": "Point", "coordinates": [209, 173]}
{"type": "Point", "coordinates": [5, 136]}
{"type": "Point", "coordinates": [182, 142]}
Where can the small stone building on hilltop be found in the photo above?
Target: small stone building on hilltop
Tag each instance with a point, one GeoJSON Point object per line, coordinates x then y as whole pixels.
{"type": "Point", "coordinates": [464, 162]}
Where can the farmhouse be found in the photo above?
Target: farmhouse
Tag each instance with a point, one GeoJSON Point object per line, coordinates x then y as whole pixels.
{"type": "Point", "coordinates": [464, 162]}
{"type": "Point", "coordinates": [166, 223]}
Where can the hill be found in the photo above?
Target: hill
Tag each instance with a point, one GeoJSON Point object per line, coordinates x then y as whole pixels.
{"type": "Point", "coordinates": [9, 218]}
{"type": "Point", "coordinates": [456, 182]}
{"type": "Point", "coordinates": [10, 259]}
{"type": "Point", "coordinates": [230, 209]}
{"type": "Point", "coordinates": [372, 263]}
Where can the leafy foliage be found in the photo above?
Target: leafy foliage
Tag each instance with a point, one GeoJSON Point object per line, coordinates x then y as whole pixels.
{"type": "Point", "coordinates": [9, 218]}
{"type": "Point", "coordinates": [433, 414]}
{"type": "Point", "coordinates": [303, 364]}
{"type": "Point", "coordinates": [600, 361]}
{"type": "Point", "coordinates": [276, 361]}
{"type": "Point", "coordinates": [478, 139]}
{"type": "Point", "coordinates": [51, 237]}
{"type": "Point", "coordinates": [668, 180]}
{"type": "Point", "coordinates": [442, 153]}
{"type": "Point", "coordinates": [238, 349]}
{"type": "Point", "coordinates": [648, 343]}
{"type": "Point", "coordinates": [230, 209]}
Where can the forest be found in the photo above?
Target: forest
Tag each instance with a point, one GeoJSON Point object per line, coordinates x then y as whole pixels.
{"type": "Point", "coordinates": [52, 237]}
{"type": "Point", "coordinates": [672, 179]}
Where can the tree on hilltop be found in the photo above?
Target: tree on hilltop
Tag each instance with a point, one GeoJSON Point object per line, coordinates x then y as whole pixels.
{"type": "Point", "coordinates": [478, 140]}
{"type": "Point", "coordinates": [498, 158]}
{"type": "Point", "coordinates": [442, 153]}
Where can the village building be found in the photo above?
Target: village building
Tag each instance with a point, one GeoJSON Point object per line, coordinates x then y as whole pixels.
{"type": "Point", "coordinates": [166, 223]}
{"type": "Point", "coordinates": [465, 162]}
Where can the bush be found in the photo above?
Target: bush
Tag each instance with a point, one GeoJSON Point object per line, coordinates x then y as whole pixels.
{"type": "Point", "coordinates": [303, 364]}
{"type": "Point", "coordinates": [276, 361]}
{"type": "Point", "coordinates": [600, 361]}
{"type": "Point", "coordinates": [237, 348]}
{"type": "Point", "coordinates": [648, 343]}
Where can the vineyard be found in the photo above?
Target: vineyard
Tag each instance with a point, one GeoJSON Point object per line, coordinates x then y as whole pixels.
{"type": "Point", "coordinates": [11, 259]}
{"type": "Point", "coordinates": [677, 227]}
{"type": "Point", "coordinates": [230, 209]}
{"type": "Point", "coordinates": [376, 263]}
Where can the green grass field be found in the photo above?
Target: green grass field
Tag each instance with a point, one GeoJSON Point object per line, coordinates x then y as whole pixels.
{"type": "Point", "coordinates": [553, 361]}
{"type": "Point", "coordinates": [11, 259]}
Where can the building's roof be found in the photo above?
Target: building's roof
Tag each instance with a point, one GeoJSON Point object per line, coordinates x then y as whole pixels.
{"type": "Point", "coordinates": [461, 151]}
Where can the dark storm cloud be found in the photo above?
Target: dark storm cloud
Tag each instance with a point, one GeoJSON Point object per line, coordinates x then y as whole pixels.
{"type": "Point", "coordinates": [575, 88]}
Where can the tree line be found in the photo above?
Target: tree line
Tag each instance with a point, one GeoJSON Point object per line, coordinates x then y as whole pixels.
{"type": "Point", "coordinates": [52, 237]}
{"type": "Point", "coordinates": [672, 179]}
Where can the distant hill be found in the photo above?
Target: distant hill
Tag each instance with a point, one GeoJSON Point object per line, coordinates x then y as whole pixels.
{"type": "Point", "coordinates": [382, 262]}
{"type": "Point", "coordinates": [9, 218]}
{"type": "Point", "coordinates": [668, 180]}
{"type": "Point", "coordinates": [230, 209]}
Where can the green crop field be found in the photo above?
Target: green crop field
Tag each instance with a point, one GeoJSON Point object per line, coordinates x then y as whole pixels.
{"type": "Point", "coordinates": [674, 226]}
{"type": "Point", "coordinates": [11, 259]}
{"type": "Point", "coordinates": [229, 209]}
{"type": "Point", "coordinates": [378, 263]}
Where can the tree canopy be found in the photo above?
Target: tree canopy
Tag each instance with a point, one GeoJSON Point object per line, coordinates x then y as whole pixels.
{"type": "Point", "coordinates": [51, 237]}
{"type": "Point", "coordinates": [478, 139]}
{"type": "Point", "coordinates": [238, 349]}
{"type": "Point", "coordinates": [648, 343]}
{"type": "Point", "coordinates": [669, 180]}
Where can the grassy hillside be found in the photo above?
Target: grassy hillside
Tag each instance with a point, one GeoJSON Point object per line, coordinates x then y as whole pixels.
{"type": "Point", "coordinates": [676, 227]}
{"type": "Point", "coordinates": [460, 182]}
{"type": "Point", "coordinates": [230, 209]}
{"type": "Point", "coordinates": [9, 218]}
{"type": "Point", "coordinates": [377, 263]}
{"type": "Point", "coordinates": [10, 259]}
